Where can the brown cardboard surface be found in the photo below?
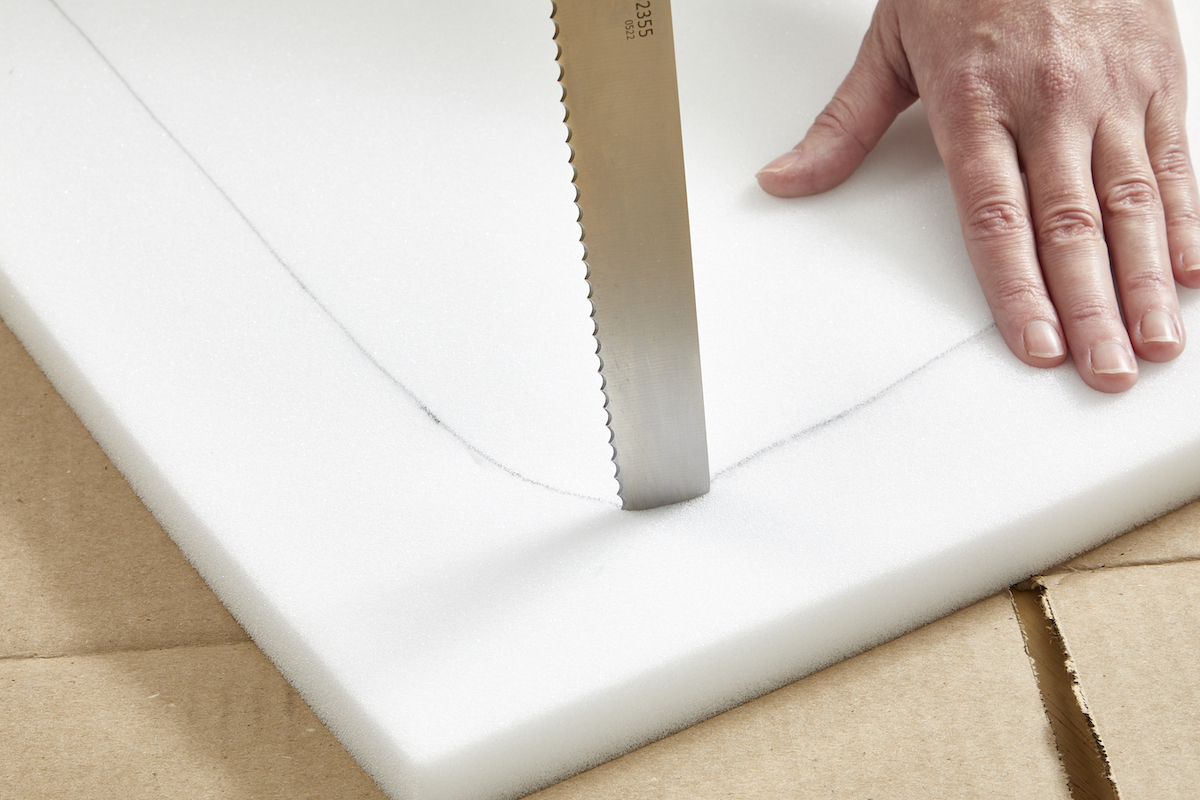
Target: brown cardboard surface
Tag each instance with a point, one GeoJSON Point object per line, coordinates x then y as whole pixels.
{"type": "Point", "coordinates": [188, 722]}
{"type": "Point", "coordinates": [83, 565]}
{"type": "Point", "coordinates": [1133, 635]}
{"type": "Point", "coordinates": [949, 711]}
{"type": "Point", "coordinates": [1173, 537]}
{"type": "Point", "coordinates": [1084, 764]}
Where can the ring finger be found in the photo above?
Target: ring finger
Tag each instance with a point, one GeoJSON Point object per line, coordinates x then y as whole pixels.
{"type": "Point", "coordinates": [1135, 228]}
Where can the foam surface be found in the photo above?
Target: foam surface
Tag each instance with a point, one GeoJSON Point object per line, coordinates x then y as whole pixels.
{"type": "Point", "coordinates": [310, 273]}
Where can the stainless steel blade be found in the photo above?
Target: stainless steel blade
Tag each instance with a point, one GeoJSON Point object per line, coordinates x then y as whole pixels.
{"type": "Point", "coordinates": [617, 61]}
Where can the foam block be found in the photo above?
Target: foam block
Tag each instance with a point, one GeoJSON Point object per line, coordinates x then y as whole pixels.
{"type": "Point", "coordinates": [311, 275]}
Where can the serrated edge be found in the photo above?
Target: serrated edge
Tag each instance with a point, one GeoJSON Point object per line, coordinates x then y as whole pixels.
{"type": "Point", "coordinates": [583, 241]}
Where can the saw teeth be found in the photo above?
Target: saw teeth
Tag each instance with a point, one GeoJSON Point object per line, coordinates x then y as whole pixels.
{"type": "Point", "coordinates": [582, 240]}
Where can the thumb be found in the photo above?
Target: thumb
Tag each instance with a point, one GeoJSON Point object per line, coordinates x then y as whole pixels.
{"type": "Point", "coordinates": [875, 91]}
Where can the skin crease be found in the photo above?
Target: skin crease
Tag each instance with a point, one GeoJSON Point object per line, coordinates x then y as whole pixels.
{"type": "Point", "coordinates": [1061, 125]}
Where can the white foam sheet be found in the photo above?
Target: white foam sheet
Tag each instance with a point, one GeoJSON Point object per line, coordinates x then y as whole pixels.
{"type": "Point", "coordinates": [310, 273]}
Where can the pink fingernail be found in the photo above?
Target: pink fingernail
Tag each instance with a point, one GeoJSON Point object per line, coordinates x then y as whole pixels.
{"type": "Point", "coordinates": [1158, 326]}
{"type": "Point", "coordinates": [781, 164]}
{"type": "Point", "coordinates": [1191, 259]}
{"type": "Point", "coordinates": [1112, 358]}
{"type": "Point", "coordinates": [1042, 340]}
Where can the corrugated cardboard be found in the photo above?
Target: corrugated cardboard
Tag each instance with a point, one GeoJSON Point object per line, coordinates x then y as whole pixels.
{"type": "Point", "coordinates": [183, 722]}
{"type": "Point", "coordinates": [1132, 635]}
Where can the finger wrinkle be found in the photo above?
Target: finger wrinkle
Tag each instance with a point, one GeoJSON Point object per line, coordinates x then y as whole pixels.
{"type": "Point", "coordinates": [1182, 217]}
{"type": "Point", "coordinates": [1018, 292]}
{"type": "Point", "coordinates": [1171, 162]}
{"type": "Point", "coordinates": [1148, 280]}
{"type": "Point", "coordinates": [1133, 197]}
{"type": "Point", "coordinates": [1086, 310]}
{"type": "Point", "coordinates": [838, 119]}
{"type": "Point", "coordinates": [994, 219]}
{"type": "Point", "coordinates": [1070, 225]}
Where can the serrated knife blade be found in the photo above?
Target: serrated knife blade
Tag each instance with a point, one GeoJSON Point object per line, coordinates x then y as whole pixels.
{"type": "Point", "coordinates": [617, 69]}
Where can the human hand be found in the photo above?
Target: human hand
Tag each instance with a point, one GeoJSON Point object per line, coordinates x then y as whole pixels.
{"type": "Point", "coordinates": [1061, 125]}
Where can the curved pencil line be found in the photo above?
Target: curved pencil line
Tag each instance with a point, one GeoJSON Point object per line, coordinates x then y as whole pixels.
{"type": "Point", "coordinates": [371, 359]}
{"type": "Point", "coordinates": [396, 382]}
{"type": "Point", "coordinates": [854, 409]}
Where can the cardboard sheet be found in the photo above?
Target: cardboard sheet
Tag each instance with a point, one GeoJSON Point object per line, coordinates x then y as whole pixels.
{"type": "Point", "coordinates": [174, 723]}
{"type": "Point", "coordinates": [1132, 634]}
{"type": "Point", "coordinates": [332, 327]}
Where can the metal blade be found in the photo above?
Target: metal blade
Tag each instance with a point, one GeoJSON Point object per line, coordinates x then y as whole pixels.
{"type": "Point", "coordinates": [617, 59]}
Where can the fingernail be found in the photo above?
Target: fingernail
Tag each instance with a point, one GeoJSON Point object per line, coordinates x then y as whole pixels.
{"type": "Point", "coordinates": [1158, 326]}
{"type": "Point", "coordinates": [783, 162]}
{"type": "Point", "coordinates": [1191, 259]}
{"type": "Point", "coordinates": [1111, 358]}
{"type": "Point", "coordinates": [1042, 340]}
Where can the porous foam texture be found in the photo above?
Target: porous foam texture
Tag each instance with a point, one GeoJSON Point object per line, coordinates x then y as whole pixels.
{"type": "Point", "coordinates": [310, 272]}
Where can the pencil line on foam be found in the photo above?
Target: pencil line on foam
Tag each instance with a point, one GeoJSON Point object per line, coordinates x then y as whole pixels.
{"type": "Point", "coordinates": [396, 382]}
{"type": "Point", "coordinates": [854, 409]}
{"type": "Point", "coordinates": [371, 359]}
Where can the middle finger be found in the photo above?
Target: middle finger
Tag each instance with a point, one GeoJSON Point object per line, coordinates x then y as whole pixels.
{"type": "Point", "coordinates": [1069, 231]}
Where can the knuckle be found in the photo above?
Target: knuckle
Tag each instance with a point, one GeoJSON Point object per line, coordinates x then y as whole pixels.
{"type": "Point", "coordinates": [1182, 216]}
{"type": "Point", "coordinates": [1017, 292]}
{"type": "Point", "coordinates": [1065, 225]}
{"type": "Point", "coordinates": [1166, 65]}
{"type": "Point", "coordinates": [1057, 80]}
{"type": "Point", "coordinates": [973, 94]}
{"type": "Point", "coordinates": [972, 85]}
{"type": "Point", "coordinates": [1086, 310]}
{"type": "Point", "coordinates": [1133, 197]}
{"type": "Point", "coordinates": [1172, 163]}
{"type": "Point", "coordinates": [1147, 280]}
{"type": "Point", "coordinates": [995, 219]}
{"type": "Point", "coordinates": [838, 119]}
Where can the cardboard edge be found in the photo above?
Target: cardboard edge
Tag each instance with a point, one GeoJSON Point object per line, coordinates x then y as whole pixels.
{"type": "Point", "coordinates": [1080, 748]}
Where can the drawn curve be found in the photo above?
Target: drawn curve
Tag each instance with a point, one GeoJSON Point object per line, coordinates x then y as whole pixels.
{"type": "Point", "coordinates": [399, 384]}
